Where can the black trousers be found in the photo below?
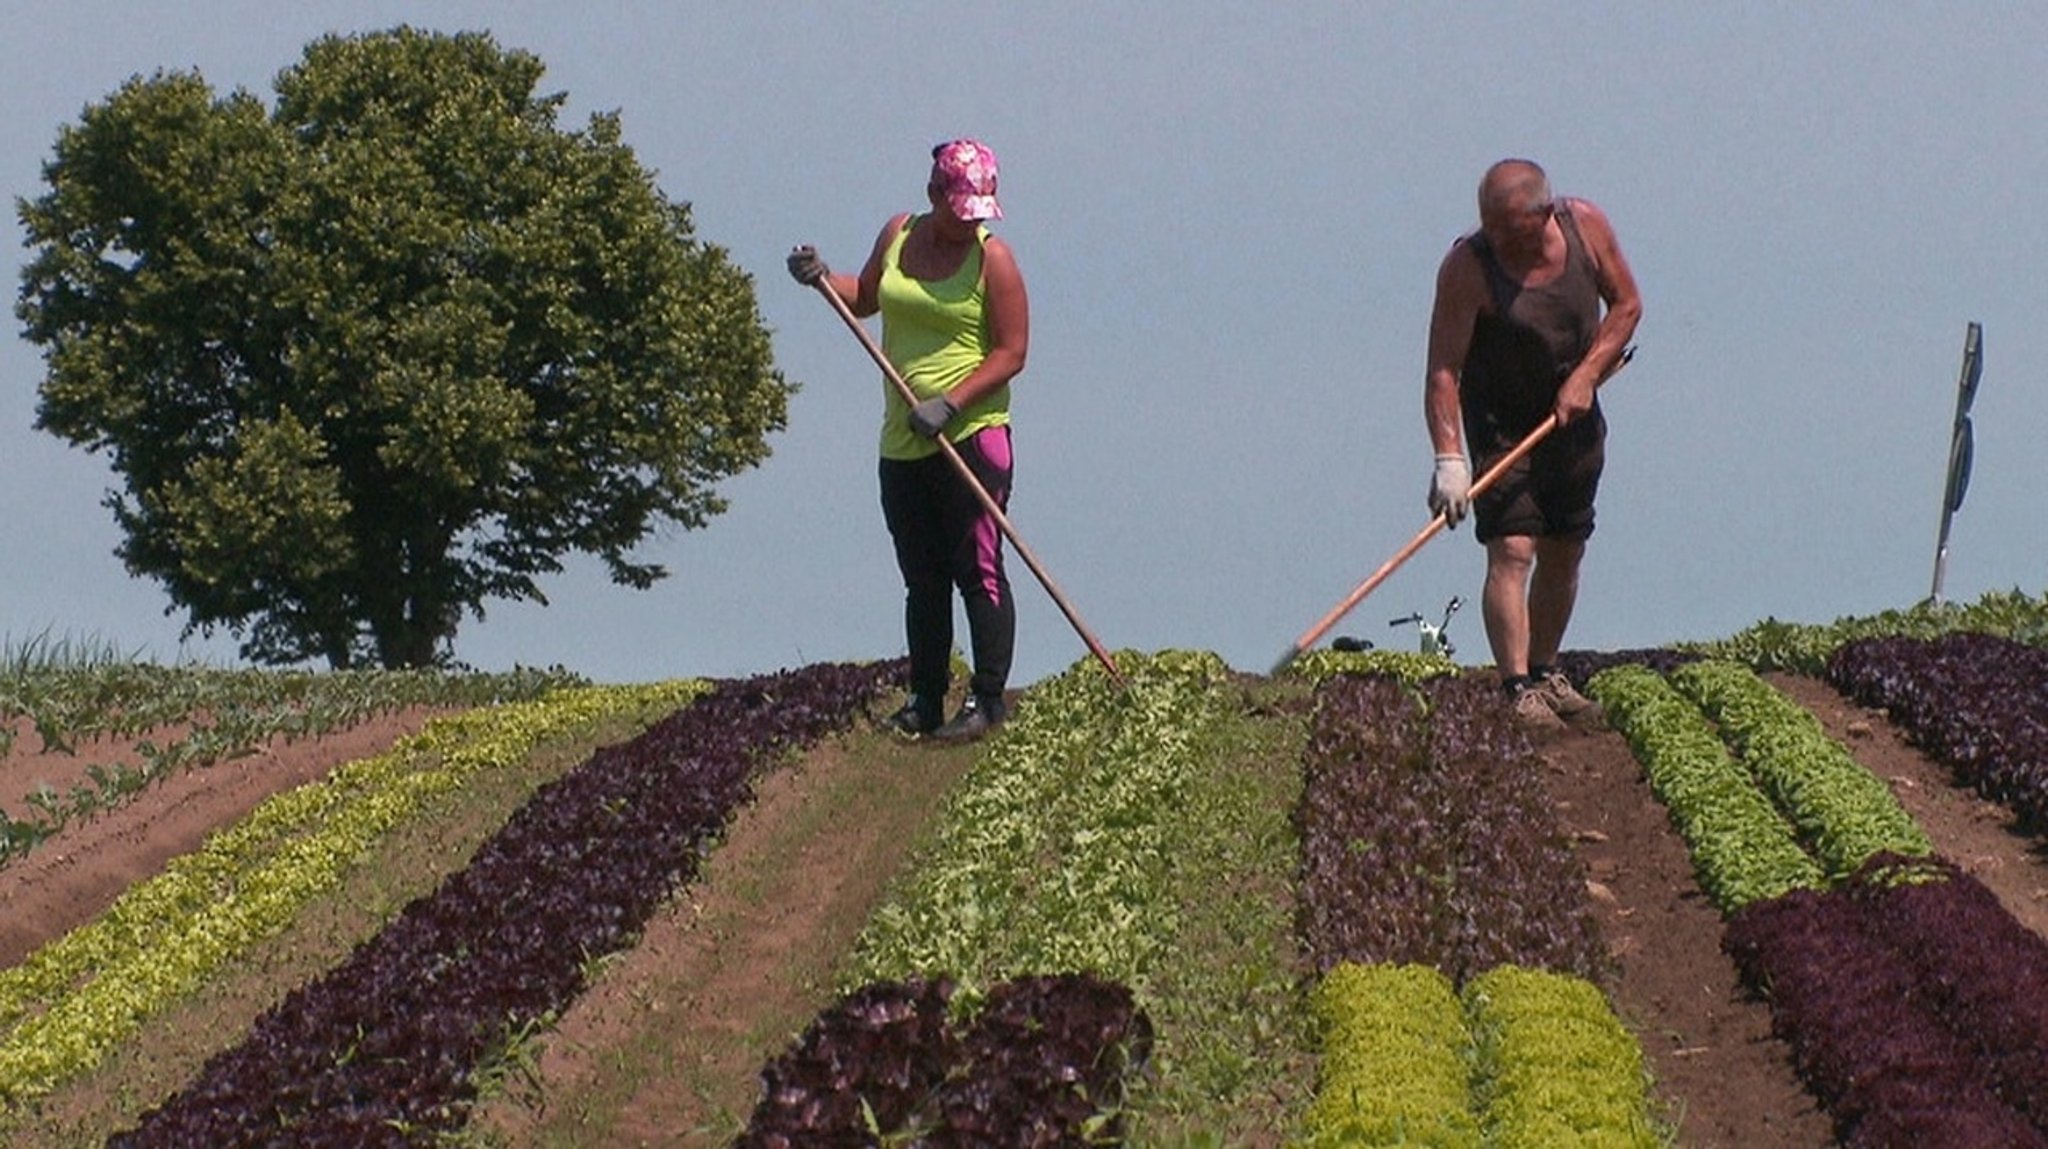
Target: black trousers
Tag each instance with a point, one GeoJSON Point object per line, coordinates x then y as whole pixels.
{"type": "Point", "coordinates": [944, 540]}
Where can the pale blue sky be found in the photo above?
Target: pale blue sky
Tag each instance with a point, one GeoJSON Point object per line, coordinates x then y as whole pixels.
{"type": "Point", "coordinates": [1229, 218]}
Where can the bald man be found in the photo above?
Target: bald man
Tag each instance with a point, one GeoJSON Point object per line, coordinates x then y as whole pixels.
{"type": "Point", "coordinates": [1532, 310]}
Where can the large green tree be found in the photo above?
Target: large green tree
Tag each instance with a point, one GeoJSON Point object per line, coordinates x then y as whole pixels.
{"type": "Point", "coordinates": [388, 351]}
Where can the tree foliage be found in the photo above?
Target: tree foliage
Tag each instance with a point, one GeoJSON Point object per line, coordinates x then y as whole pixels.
{"type": "Point", "coordinates": [386, 351]}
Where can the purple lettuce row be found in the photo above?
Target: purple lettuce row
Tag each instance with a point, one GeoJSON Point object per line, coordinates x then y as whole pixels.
{"type": "Point", "coordinates": [1977, 702]}
{"type": "Point", "coordinates": [1044, 1063]}
{"type": "Point", "coordinates": [1886, 1028]}
{"type": "Point", "coordinates": [1427, 836]}
{"type": "Point", "coordinates": [1581, 665]}
{"type": "Point", "coordinates": [1982, 971]}
{"type": "Point", "coordinates": [382, 1050]}
{"type": "Point", "coordinates": [1362, 895]}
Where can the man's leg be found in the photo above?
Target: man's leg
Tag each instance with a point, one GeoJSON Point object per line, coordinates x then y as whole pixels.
{"type": "Point", "coordinates": [1505, 602]}
{"type": "Point", "coordinates": [1553, 589]}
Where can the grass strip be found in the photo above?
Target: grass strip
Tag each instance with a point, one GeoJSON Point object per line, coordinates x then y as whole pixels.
{"type": "Point", "coordinates": [1234, 1034]}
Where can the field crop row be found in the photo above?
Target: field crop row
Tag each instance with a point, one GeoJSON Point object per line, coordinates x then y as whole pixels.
{"type": "Point", "coordinates": [1427, 836]}
{"type": "Point", "coordinates": [1912, 1002]}
{"type": "Point", "coordinates": [388, 1047]}
{"type": "Point", "coordinates": [1977, 702]}
{"type": "Point", "coordinates": [1449, 916]}
{"type": "Point", "coordinates": [70, 1001]}
{"type": "Point", "coordinates": [191, 717]}
{"type": "Point", "coordinates": [1909, 995]}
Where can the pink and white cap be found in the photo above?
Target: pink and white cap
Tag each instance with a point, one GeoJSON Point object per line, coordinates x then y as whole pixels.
{"type": "Point", "coordinates": [964, 171]}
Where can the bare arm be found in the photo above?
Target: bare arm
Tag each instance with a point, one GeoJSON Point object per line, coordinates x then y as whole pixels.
{"type": "Point", "coordinates": [1460, 286]}
{"type": "Point", "coordinates": [1624, 310]}
{"type": "Point", "coordinates": [1009, 325]}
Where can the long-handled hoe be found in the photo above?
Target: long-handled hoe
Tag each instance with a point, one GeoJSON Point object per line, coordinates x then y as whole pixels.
{"type": "Point", "coordinates": [1308, 637]}
{"type": "Point", "coordinates": [981, 494]}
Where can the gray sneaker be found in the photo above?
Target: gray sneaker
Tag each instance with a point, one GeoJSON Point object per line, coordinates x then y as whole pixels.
{"type": "Point", "coordinates": [978, 715]}
{"type": "Point", "coordinates": [1565, 701]}
{"type": "Point", "coordinates": [1533, 711]}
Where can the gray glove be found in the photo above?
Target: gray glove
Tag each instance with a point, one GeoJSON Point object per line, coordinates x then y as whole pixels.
{"type": "Point", "coordinates": [931, 416]}
{"type": "Point", "coordinates": [1450, 489]}
{"type": "Point", "coordinates": [806, 267]}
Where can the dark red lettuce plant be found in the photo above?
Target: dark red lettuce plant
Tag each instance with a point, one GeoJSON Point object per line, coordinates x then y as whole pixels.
{"type": "Point", "coordinates": [1044, 1062]}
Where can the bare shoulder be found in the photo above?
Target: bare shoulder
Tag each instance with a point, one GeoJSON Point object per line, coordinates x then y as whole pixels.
{"type": "Point", "coordinates": [1591, 218]}
{"type": "Point", "coordinates": [1460, 253]}
{"type": "Point", "coordinates": [1460, 274]}
{"type": "Point", "coordinates": [996, 249]}
{"type": "Point", "coordinates": [871, 271]}
{"type": "Point", "coordinates": [1610, 266]}
{"type": "Point", "coordinates": [999, 263]}
{"type": "Point", "coordinates": [889, 229]}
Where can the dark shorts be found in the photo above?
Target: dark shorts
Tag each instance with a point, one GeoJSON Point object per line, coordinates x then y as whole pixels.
{"type": "Point", "coordinates": [1548, 493]}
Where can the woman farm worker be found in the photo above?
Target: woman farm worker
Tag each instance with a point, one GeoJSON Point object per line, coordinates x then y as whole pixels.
{"type": "Point", "coordinates": [955, 323]}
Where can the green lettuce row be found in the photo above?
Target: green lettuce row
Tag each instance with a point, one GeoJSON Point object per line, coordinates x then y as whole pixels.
{"type": "Point", "coordinates": [1803, 648]}
{"type": "Point", "coordinates": [1742, 848]}
{"type": "Point", "coordinates": [166, 936]}
{"type": "Point", "coordinates": [1526, 1059]}
{"type": "Point", "coordinates": [1396, 1061]}
{"type": "Point", "coordinates": [1410, 666]}
{"type": "Point", "coordinates": [1845, 812]}
{"type": "Point", "coordinates": [1052, 855]}
{"type": "Point", "coordinates": [1555, 1066]}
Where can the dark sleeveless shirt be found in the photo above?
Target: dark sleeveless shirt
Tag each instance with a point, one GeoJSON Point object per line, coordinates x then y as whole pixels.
{"type": "Point", "coordinates": [1523, 349]}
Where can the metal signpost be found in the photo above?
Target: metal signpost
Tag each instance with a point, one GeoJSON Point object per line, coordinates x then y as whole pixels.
{"type": "Point", "coordinates": [1961, 446]}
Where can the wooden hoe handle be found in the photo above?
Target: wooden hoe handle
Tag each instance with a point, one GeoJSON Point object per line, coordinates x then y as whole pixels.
{"type": "Point", "coordinates": [981, 494]}
{"type": "Point", "coordinates": [1308, 637]}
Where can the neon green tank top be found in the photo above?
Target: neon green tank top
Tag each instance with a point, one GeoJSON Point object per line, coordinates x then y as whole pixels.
{"type": "Point", "coordinates": [936, 333]}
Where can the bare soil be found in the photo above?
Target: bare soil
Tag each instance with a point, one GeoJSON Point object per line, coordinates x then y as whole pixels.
{"type": "Point", "coordinates": [73, 876]}
{"type": "Point", "coordinates": [1720, 1076]}
{"type": "Point", "coordinates": [666, 1047]}
{"type": "Point", "coordinates": [1978, 835]}
{"type": "Point", "coordinates": [739, 963]}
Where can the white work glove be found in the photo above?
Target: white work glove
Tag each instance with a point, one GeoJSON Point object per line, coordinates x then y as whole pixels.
{"type": "Point", "coordinates": [1450, 489]}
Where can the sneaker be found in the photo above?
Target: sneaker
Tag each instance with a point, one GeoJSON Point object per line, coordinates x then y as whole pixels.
{"type": "Point", "coordinates": [978, 715]}
{"type": "Point", "coordinates": [1532, 710]}
{"type": "Point", "coordinates": [1567, 702]}
{"type": "Point", "coordinates": [915, 720]}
